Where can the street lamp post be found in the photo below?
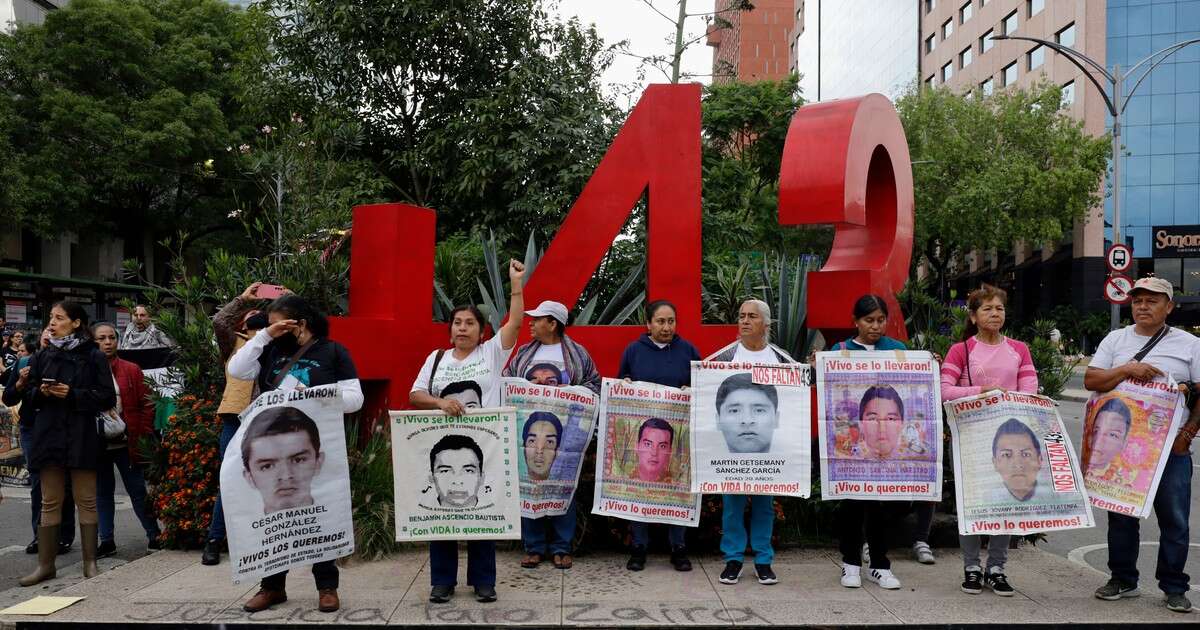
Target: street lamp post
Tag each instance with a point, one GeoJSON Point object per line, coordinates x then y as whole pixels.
{"type": "Point", "coordinates": [1116, 99]}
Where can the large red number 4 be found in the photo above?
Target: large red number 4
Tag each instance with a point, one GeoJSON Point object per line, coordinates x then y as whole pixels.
{"type": "Point", "coordinates": [846, 163]}
{"type": "Point", "coordinates": [863, 186]}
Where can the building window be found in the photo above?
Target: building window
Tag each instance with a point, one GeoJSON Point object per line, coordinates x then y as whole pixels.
{"type": "Point", "coordinates": [986, 42]}
{"type": "Point", "coordinates": [1010, 23]}
{"type": "Point", "coordinates": [930, 5]}
{"type": "Point", "coordinates": [1010, 74]}
{"type": "Point", "coordinates": [1171, 270]}
{"type": "Point", "coordinates": [947, 71]}
{"type": "Point", "coordinates": [987, 87]}
{"type": "Point", "coordinates": [1035, 7]}
{"type": "Point", "coordinates": [1191, 276]}
{"type": "Point", "coordinates": [983, 3]}
{"type": "Point", "coordinates": [964, 13]}
{"type": "Point", "coordinates": [964, 57]}
{"type": "Point", "coordinates": [969, 94]}
{"type": "Point", "coordinates": [930, 43]}
{"type": "Point", "coordinates": [1037, 57]}
{"type": "Point", "coordinates": [948, 29]}
{"type": "Point", "coordinates": [929, 82]}
{"type": "Point", "coordinates": [1068, 94]}
{"type": "Point", "coordinates": [1066, 37]}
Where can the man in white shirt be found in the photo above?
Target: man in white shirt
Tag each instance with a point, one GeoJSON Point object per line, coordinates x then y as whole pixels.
{"type": "Point", "coordinates": [1176, 353]}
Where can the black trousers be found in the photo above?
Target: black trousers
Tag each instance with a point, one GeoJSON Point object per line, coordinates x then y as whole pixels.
{"type": "Point", "coordinates": [324, 573]}
{"type": "Point", "coordinates": [852, 516]}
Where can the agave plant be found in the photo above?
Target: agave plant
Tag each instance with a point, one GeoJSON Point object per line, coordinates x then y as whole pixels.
{"type": "Point", "coordinates": [785, 289]}
{"type": "Point", "coordinates": [495, 302]}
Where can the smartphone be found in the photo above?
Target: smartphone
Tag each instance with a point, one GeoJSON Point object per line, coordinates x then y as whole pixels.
{"type": "Point", "coordinates": [269, 291]}
{"type": "Point", "coordinates": [48, 381]}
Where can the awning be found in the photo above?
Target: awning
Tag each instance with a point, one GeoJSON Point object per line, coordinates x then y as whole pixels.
{"type": "Point", "coordinates": [17, 276]}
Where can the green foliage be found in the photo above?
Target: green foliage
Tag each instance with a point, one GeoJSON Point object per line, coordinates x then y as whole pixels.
{"type": "Point", "coordinates": [184, 471]}
{"type": "Point", "coordinates": [1081, 332]}
{"type": "Point", "coordinates": [744, 129]}
{"type": "Point", "coordinates": [988, 172]}
{"type": "Point", "coordinates": [489, 111]}
{"type": "Point", "coordinates": [372, 491]}
{"type": "Point", "coordinates": [1054, 369]}
{"type": "Point", "coordinates": [123, 109]}
{"type": "Point", "coordinates": [785, 289]}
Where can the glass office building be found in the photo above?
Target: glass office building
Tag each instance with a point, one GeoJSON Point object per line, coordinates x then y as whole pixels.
{"type": "Point", "coordinates": [1161, 163]}
{"type": "Point", "coordinates": [847, 48]}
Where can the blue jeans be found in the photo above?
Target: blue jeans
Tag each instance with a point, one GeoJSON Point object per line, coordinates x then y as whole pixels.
{"type": "Point", "coordinates": [733, 527]}
{"type": "Point", "coordinates": [1171, 506]}
{"type": "Point", "coordinates": [481, 563]}
{"type": "Point", "coordinates": [641, 535]}
{"type": "Point", "coordinates": [66, 534]}
{"type": "Point", "coordinates": [229, 426]}
{"type": "Point", "coordinates": [135, 485]}
{"type": "Point", "coordinates": [562, 532]}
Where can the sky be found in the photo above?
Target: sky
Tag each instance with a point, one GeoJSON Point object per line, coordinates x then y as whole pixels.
{"type": "Point", "coordinates": [647, 33]}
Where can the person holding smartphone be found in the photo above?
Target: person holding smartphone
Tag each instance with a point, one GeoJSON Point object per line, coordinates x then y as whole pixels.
{"type": "Point", "coordinates": [68, 384]}
{"type": "Point", "coordinates": [233, 326]}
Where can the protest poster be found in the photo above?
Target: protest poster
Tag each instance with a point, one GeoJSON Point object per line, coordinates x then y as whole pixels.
{"type": "Point", "coordinates": [456, 476]}
{"type": "Point", "coordinates": [643, 459]}
{"type": "Point", "coordinates": [1127, 437]}
{"type": "Point", "coordinates": [285, 484]}
{"type": "Point", "coordinates": [556, 426]}
{"type": "Point", "coordinates": [12, 458]}
{"type": "Point", "coordinates": [879, 426]}
{"type": "Point", "coordinates": [1015, 469]}
{"type": "Point", "coordinates": [751, 428]}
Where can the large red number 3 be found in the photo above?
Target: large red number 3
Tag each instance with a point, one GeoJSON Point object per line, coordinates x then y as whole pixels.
{"type": "Point", "coordinates": [846, 163]}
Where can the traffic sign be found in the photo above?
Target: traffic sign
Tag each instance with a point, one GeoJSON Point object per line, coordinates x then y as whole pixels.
{"type": "Point", "coordinates": [1119, 258]}
{"type": "Point", "coordinates": [1117, 288]}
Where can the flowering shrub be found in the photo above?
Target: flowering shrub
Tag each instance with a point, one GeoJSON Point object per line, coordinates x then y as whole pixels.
{"type": "Point", "coordinates": [186, 472]}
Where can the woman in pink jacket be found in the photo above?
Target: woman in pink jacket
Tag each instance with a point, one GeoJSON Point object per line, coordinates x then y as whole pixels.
{"type": "Point", "coordinates": [986, 360]}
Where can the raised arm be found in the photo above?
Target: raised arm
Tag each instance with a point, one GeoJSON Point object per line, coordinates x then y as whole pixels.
{"type": "Point", "coordinates": [516, 306]}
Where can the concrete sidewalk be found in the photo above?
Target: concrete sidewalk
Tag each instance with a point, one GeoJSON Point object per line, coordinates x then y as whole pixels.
{"type": "Point", "coordinates": [171, 587]}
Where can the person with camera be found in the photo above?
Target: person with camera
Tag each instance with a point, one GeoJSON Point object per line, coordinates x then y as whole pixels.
{"type": "Point", "coordinates": [233, 326]}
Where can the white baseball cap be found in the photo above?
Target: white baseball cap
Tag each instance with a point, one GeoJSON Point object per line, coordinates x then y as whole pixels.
{"type": "Point", "coordinates": [1154, 285]}
{"type": "Point", "coordinates": [550, 309]}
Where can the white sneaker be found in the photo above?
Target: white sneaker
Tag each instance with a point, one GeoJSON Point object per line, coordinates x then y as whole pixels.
{"type": "Point", "coordinates": [884, 578]}
{"type": "Point", "coordinates": [923, 553]}
{"type": "Point", "coordinates": [851, 576]}
{"type": "Point", "coordinates": [866, 555]}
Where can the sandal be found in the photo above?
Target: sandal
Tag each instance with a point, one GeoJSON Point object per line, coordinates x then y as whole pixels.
{"type": "Point", "coordinates": [531, 561]}
{"type": "Point", "coordinates": [563, 561]}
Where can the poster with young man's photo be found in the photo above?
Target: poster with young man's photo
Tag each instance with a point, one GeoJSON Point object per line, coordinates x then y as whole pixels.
{"type": "Point", "coordinates": [285, 484]}
{"type": "Point", "coordinates": [1014, 466]}
{"type": "Point", "coordinates": [751, 428]}
{"type": "Point", "coordinates": [455, 477]}
{"type": "Point", "coordinates": [556, 426]}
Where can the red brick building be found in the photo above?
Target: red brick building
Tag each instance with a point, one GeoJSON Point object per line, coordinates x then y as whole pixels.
{"type": "Point", "coordinates": [755, 46]}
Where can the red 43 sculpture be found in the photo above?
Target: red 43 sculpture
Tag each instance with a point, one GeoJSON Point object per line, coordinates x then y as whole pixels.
{"type": "Point", "coordinates": [845, 163]}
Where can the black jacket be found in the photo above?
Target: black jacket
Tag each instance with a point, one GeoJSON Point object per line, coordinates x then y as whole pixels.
{"type": "Point", "coordinates": [64, 431]}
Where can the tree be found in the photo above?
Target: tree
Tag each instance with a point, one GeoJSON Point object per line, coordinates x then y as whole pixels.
{"type": "Point", "coordinates": [670, 65]}
{"type": "Point", "coordinates": [491, 112]}
{"type": "Point", "coordinates": [989, 172]}
{"type": "Point", "coordinates": [744, 129]}
{"type": "Point", "coordinates": [125, 108]}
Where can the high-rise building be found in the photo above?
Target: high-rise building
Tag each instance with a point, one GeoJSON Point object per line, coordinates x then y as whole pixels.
{"type": "Point", "coordinates": [14, 12]}
{"type": "Point", "coordinates": [754, 44]}
{"type": "Point", "coordinates": [958, 52]}
{"type": "Point", "coordinates": [845, 48]}
{"type": "Point", "coordinates": [1161, 163]}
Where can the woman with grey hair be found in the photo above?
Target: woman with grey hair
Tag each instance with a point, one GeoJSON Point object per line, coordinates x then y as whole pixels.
{"type": "Point", "coordinates": [754, 338]}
